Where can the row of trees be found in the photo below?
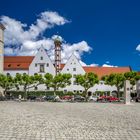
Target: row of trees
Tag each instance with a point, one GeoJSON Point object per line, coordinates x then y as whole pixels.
{"type": "Point", "coordinates": [87, 81]}
{"type": "Point", "coordinates": [7, 82]}
{"type": "Point", "coordinates": [118, 80]}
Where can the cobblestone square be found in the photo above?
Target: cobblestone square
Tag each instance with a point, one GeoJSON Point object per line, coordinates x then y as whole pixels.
{"type": "Point", "coordinates": [69, 121]}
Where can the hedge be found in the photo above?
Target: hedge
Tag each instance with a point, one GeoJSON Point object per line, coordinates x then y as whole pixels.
{"type": "Point", "coordinates": [38, 93]}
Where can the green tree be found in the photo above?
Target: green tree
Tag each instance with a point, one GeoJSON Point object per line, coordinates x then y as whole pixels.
{"type": "Point", "coordinates": [131, 76]}
{"type": "Point", "coordinates": [115, 80]}
{"type": "Point", "coordinates": [87, 81]}
{"type": "Point", "coordinates": [58, 81]}
{"type": "Point", "coordinates": [28, 81]}
{"type": "Point", "coordinates": [6, 82]}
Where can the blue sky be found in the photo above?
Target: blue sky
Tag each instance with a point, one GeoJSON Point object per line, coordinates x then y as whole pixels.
{"type": "Point", "coordinates": [110, 27]}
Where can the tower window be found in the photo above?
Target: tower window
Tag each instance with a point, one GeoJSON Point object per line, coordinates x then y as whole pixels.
{"type": "Point", "coordinates": [41, 58]}
{"type": "Point", "coordinates": [35, 65]}
{"type": "Point", "coordinates": [42, 68]}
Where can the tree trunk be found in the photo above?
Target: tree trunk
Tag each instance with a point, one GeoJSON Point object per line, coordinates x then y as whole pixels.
{"type": "Point", "coordinates": [4, 92]}
{"type": "Point", "coordinates": [118, 92]}
{"type": "Point", "coordinates": [86, 96]}
{"type": "Point", "coordinates": [54, 91]}
{"type": "Point", "coordinates": [25, 90]}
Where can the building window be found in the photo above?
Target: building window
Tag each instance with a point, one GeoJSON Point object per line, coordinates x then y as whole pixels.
{"type": "Point", "coordinates": [8, 74]}
{"type": "Point", "coordinates": [9, 65]}
{"type": "Point", "coordinates": [41, 58]}
{"type": "Point", "coordinates": [42, 68]}
{"type": "Point", "coordinates": [74, 69]}
{"type": "Point", "coordinates": [48, 88]}
{"type": "Point", "coordinates": [65, 91]}
{"type": "Point", "coordinates": [74, 75]}
{"type": "Point", "coordinates": [18, 65]}
{"type": "Point", "coordinates": [74, 83]}
{"type": "Point", "coordinates": [35, 65]}
{"type": "Point", "coordinates": [101, 83]}
{"type": "Point", "coordinates": [67, 69]}
{"type": "Point", "coordinates": [36, 88]}
{"type": "Point", "coordinates": [47, 64]}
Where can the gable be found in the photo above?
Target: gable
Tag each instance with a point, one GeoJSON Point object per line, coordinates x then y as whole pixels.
{"type": "Point", "coordinates": [73, 66]}
{"type": "Point", "coordinates": [41, 58]}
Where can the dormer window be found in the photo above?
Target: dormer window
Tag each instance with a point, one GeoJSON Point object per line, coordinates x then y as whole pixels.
{"type": "Point", "coordinates": [41, 58]}
{"type": "Point", "coordinates": [9, 65]}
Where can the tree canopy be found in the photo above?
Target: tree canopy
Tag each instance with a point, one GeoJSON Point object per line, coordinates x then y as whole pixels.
{"type": "Point", "coordinates": [115, 80]}
{"type": "Point", "coordinates": [58, 81]}
{"type": "Point", "coordinates": [6, 82]}
{"type": "Point", "coordinates": [87, 80]}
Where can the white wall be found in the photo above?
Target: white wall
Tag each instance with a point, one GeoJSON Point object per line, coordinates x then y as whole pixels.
{"type": "Point", "coordinates": [13, 72]}
{"type": "Point", "coordinates": [69, 68]}
{"type": "Point", "coordinates": [37, 61]}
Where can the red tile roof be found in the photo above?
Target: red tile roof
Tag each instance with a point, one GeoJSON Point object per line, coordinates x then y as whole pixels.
{"type": "Point", "coordinates": [102, 71]}
{"type": "Point", "coordinates": [17, 62]}
{"type": "Point", "coordinates": [23, 63]}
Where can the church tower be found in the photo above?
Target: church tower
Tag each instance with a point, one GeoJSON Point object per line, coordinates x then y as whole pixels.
{"type": "Point", "coordinates": [57, 42]}
{"type": "Point", "coordinates": [2, 28]}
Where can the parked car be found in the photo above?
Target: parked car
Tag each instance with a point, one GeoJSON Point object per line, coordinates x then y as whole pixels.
{"type": "Point", "coordinates": [107, 99]}
{"type": "Point", "coordinates": [57, 99]}
{"type": "Point", "coordinates": [67, 97]}
{"type": "Point", "coordinates": [79, 98]}
{"type": "Point", "coordinates": [112, 99]}
{"type": "Point", "coordinates": [32, 98]}
{"type": "Point", "coordinates": [49, 98]}
{"type": "Point", "coordinates": [92, 98]}
{"type": "Point", "coordinates": [40, 98]}
{"type": "Point", "coordinates": [101, 99]}
{"type": "Point", "coordinates": [2, 98]}
{"type": "Point", "coordinates": [137, 99]}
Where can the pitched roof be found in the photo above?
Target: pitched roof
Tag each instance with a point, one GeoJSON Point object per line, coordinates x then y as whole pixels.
{"type": "Point", "coordinates": [17, 62]}
{"type": "Point", "coordinates": [23, 63]}
{"type": "Point", "coordinates": [102, 71]}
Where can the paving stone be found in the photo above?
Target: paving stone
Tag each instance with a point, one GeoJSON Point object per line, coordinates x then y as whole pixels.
{"type": "Point", "coordinates": [69, 121]}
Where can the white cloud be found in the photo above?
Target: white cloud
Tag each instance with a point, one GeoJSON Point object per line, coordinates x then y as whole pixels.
{"type": "Point", "coordinates": [84, 64]}
{"type": "Point", "coordinates": [17, 34]}
{"type": "Point", "coordinates": [107, 62]}
{"type": "Point", "coordinates": [21, 39]}
{"type": "Point", "coordinates": [106, 65]}
{"type": "Point", "coordinates": [138, 48]}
